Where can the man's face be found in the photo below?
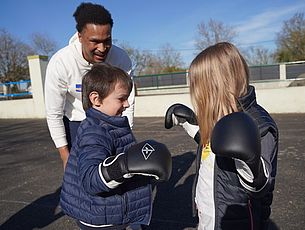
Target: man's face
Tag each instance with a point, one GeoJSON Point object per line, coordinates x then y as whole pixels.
{"type": "Point", "coordinates": [96, 42]}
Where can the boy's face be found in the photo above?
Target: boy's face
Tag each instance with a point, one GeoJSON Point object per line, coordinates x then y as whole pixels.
{"type": "Point", "coordinates": [116, 102]}
{"type": "Point", "coordinates": [96, 42]}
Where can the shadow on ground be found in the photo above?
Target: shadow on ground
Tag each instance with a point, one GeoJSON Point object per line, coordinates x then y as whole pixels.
{"type": "Point", "coordinates": [173, 200]}
{"type": "Point", "coordinates": [38, 214]}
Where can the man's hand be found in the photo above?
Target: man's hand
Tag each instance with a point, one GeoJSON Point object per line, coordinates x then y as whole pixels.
{"type": "Point", "coordinates": [64, 155]}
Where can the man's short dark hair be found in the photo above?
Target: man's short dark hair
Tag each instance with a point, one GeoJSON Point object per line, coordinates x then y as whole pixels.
{"type": "Point", "coordinates": [89, 13]}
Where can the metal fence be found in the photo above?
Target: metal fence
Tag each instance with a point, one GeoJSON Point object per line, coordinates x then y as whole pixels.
{"type": "Point", "coordinates": [294, 70]}
{"type": "Point", "coordinates": [264, 72]}
{"type": "Point", "coordinates": [161, 80]}
{"type": "Point", "coordinates": [15, 90]}
{"type": "Point", "coordinates": [257, 73]}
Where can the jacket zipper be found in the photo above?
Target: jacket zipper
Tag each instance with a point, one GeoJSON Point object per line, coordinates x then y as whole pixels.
{"type": "Point", "coordinates": [250, 214]}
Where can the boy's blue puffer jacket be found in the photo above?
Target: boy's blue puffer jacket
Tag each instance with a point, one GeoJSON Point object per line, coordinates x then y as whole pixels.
{"type": "Point", "coordinates": [84, 196]}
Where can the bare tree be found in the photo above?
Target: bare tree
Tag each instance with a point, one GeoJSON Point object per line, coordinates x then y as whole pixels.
{"type": "Point", "coordinates": [258, 56]}
{"type": "Point", "coordinates": [139, 58]}
{"type": "Point", "coordinates": [13, 58]}
{"type": "Point", "coordinates": [291, 39]}
{"type": "Point", "coordinates": [43, 44]}
{"type": "Point", "coordinates": [154, 66]}
{"type": "Point", "coordinates": [213, 32]}
{"type": "Point", "coordinates": [145, 62]}
{"type": "Point", "coordinates": [170, 59]}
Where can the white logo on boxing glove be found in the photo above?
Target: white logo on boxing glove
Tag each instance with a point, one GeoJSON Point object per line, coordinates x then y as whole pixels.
{"type": "Point", "coordinates": [147, 150]}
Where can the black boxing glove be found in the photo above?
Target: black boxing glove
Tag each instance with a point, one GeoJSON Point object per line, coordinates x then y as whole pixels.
{"type": "Point", "coordinates": [148, 158]}
{"type": "Point", "coordinates": [179, 114]}
{"type": "Point", "coordinates": [237, 136]}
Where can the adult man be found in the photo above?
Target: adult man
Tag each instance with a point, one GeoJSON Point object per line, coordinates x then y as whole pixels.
{"type": "Point", "coordinates": [65, 70]}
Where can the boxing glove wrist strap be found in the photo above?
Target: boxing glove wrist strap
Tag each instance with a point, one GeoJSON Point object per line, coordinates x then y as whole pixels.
{"type": "Point", "coordinates": [110, 183]}
{"type": "Point", "coordinates": [246, 176]}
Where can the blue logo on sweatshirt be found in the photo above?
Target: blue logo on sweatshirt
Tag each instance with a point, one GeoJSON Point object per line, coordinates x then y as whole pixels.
{"type": "Point", "coordinates": [78, 87]}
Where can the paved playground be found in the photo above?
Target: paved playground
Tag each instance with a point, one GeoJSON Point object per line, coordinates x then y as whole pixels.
{"type": "Point", "coordinates": [31, 174]}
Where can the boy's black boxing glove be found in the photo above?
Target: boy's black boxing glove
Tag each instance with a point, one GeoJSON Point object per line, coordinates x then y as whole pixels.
{"type": "Point", "coordinates": [237, 136]}
{"type": "Point", "coordinates": [148, 158]}
{"type": "Point", "coordinates": [179, 114]}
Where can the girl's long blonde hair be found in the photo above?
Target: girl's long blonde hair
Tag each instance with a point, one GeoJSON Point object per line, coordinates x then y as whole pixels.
{"type": "Point", "coordinates": [218, 76]}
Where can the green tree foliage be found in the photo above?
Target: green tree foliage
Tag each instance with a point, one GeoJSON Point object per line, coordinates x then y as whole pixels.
{"type": "Point", "coordinates": [291, 40]}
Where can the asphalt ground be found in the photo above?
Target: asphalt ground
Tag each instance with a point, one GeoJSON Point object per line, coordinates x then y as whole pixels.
{"type": "Point", "coordinates": [31, 174]}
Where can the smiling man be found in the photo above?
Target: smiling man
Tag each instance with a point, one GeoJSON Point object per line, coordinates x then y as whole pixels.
{"type": "Point", "coordinates": [91, 44]}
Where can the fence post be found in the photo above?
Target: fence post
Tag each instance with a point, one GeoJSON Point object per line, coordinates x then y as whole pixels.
{"type": "Point", "coordinates": [38, 66]}
{"type": "Point", "coordinates": [282, 71]}
{"type": "Point", "coordinates": [187, 78]}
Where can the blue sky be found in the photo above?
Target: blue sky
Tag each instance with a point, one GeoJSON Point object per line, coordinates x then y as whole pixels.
{"type": "Point", "coordinates": [148, 25]}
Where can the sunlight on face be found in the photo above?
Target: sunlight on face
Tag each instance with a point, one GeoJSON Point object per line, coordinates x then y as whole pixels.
{"type": "Point", "coordinates": [116, 102]}
{"type": "Point", "coordinates": [96, 42]}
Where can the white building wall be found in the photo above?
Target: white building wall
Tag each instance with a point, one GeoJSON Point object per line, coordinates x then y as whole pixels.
{"type": "Point", "coordinates": [277, 100]}
{"type": "Point", "coordinates": [33, 107]}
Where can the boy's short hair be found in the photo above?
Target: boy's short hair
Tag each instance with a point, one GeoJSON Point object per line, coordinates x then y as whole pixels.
{"type": "Point", "coordinates": [102, 78]}
{"type": "Point", "coordinates": [89, 13]}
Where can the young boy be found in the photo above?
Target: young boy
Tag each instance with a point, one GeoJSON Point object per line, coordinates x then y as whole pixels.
{"type": "Point", "coordinates": [106, 183]}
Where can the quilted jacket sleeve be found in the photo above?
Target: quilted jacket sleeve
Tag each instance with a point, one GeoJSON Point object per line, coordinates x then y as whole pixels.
{"type": "Point", "coordinates": [95, 145]}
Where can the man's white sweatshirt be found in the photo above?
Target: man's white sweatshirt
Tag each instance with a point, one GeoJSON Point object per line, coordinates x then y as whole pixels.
{"type": "Point", "coordinates": [63, 87]}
